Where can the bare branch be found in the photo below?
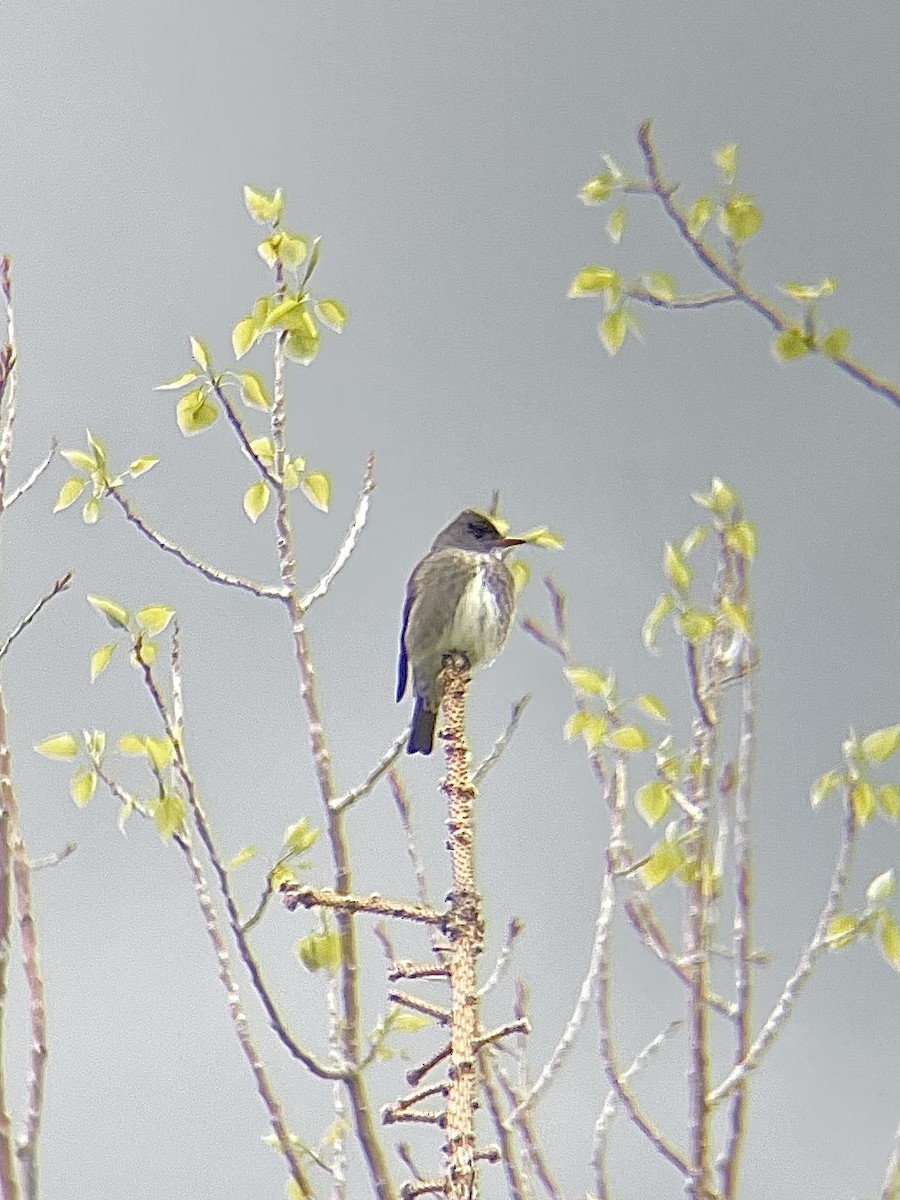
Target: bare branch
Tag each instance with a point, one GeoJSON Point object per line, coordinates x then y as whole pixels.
{"type": "Point", "coordinates": [35, 475]}
{"type": "Point", "coordinates": [375, 775]}
{"type": "Point", "coordinates": [348, 545]}
{"type": "Point", "coordinates": [515, 928]}
{"type": "Point", "coordinates": [52, 860]}
{"type": "Point", "coordinates": [60, 586]}
{"type": "Point", "coordinates": [502, 741]}
{"type": "Point", "coordinates": [310, 897]}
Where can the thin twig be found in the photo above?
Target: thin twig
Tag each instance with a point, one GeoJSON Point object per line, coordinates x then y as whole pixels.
{"type": "Point", "coordinates": [377, 773]}
{"type": "Point", "coordinates": [499, 747]}
{"type": "Point", "coordinates": [52, 860]}
{"type": "Point", "coordinates": [60, 586]}
{"type": "Point", "coordinates": [348, 545]}
{"type": "Point", "coordinates": [515, 1181]}
{"type": "Point", "coordinates": [35, 475]}
{"type": "Point", "coordinates": [265, 591]}
{"type": "Point", "coordinates": [302, 896]}
{"type": "Point", "coordinates": [9, 1183]}
{"type": "Point", "coordinates": [513, 931]}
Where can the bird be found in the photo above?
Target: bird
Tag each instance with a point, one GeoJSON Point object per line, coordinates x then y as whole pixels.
{"type": "Point", "coordinates": [459, 599]}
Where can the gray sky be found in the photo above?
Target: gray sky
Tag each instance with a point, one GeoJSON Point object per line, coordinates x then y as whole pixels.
{"type": "Point", "coordinates": [439, 149]}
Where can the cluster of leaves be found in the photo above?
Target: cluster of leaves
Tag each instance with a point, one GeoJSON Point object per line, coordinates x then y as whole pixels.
{"type": "Point", "coordinates": [738, 218]}
{"type": "Point", "coordinates": [539, 536]}
{"type": "Point", "coordinates": [398, 1020]}
{"type": "Point", "coordinates": [93, 469]}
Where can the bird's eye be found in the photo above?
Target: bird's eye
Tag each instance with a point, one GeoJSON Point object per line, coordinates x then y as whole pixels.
{"type": "Point", "coordinates": [479, 529]}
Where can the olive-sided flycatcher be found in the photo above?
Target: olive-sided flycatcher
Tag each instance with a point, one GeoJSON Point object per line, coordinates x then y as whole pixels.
{"type": "Point", "coordinates": [460, 598]}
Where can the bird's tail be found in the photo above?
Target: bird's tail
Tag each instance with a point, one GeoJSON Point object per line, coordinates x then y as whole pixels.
{"type": "Point", "coordinates": [421, 738]}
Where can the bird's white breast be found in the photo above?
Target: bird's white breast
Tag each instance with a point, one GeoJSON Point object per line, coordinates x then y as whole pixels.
{"type": "Point", "coordinates": [477, 628]}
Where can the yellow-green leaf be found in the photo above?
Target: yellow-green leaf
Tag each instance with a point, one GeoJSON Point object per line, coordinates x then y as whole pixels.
{"type": "Point", "coordinates": [862, 801]}
{"type": "Point", "coordinates": [665, 860]}
{"type": "Point", "coordinates": [842, 930]}
{"type": "Point", "coordinates": [702, 212]}
{"type": "Point", "coordinates": [836, 343]}
{"type": "Point", "coordinates": [545, 538]}
{"type": "Point", "coordinates": [653, 707]}
{"type": "Point", "coordinates": [292, 250]}
{"type": "Point", "coordinates": [726, 161]}
{"type": "Point", "coordinates": [254, 391]}
{"type": "Point", "coordinates": [807, 292]}
{"type": "Point", "coordinates": [889, 801]}
{"type": "Point", "coordinates": [615, 226]}
{"type": "Point", "coordinates": [882, 887]}
{"type": "Point", "coordinates": [82, 786]}
{"type": "Point", "coordinates": [598, 189]}
{"type": "Point", "coordinates": [130, 743]}
{"type": "Point", "coordinates": [256, 500]}
{"type": "Point", "coordinates": [291, 475]}
{"type": "Point", "coordinates": [155, 618]}
{"type": "Point", "coordinates": [409, 1022]}
{"type": "Point", "coordinates": [181, 381]}
{"type": "Point", "coordinates": [824, 786]}
{"type": "Point", "coordinates": [655, 618]}
{"type": "Point", "coordinates": [678, 573]}
{"type": "Point", "coordinates": [160, 751]}
{"type": "Point", "coordinates": [740, 219]}
{"type": "Point", "coordinates": [593, 281]}
{"type": "Point", "coordinates": [694, 539]}
{"type": "Point", "coordinates": [302, 345]}
{"type": "Point", "coordinates": [332, 313]}
{"type": "Point", "coordinates": [588, 682]}
{"type": "Point", "coordinates": [141, 465]}
{"type": "Point", "coordinates": [881, 745]}
{"type": "Point", "coordinates": [320, 951]}
{"type": "Point", "coordinates": [890, 941]}
{"type": "Point", "coordinates": [90, 514]}
{"type": "Point", "coordinates": [243, 336]}
{"type": "Point", "coordinates": [114, 613]}
{"type": "Point", "coordinates": [243, 856]}
{"type": "Point", "coordinates": [720, 498]}
{"type": "Point", "coordinates": [145, 653]}
{"type": "Point", "coordinates": [69, 492]}
{"type": "Point", "coordinates": [791, 345]}
{"type": "Point", "coordinates": [630, 738]}
{"type": "Point", "coordinates": [268, 250]}
{"type": "Point", "coordinates": [695, 625]}
{"type": "Point", "coordinates": [652, 801]}
{"type": "Point", "coordinates": [281, 876]}
{"type": "Point", "coordinates": [520, 571]}
{"type": "Point", "coordinates": [660, 286]}
{"type": "Point", "coordinates": [168, 813]}
{"type": "Point", "coordinates": [281, 315]}
{"type": "Point", "coordinates": [77, 458]}
{"type": "Point", "coordinates": [200, 353]}
{"type": "Point", "coordinates": [63, 745]}
{"type": "Point", "coordinates": [576, 724]}
{"type": "Point", "coordinates": [265, 209]}
{"type": "Point", "coordinates": [195, 412]}
{"type": "Point", "coordinates": [316, 487]}
{"type": "Point", "coordinates": [264, 449]}
{"type": "Point", "coordinates": [100, 659]}
{"type": "Point", "coordinates": [300, 836]}
{"type": "Point", "coordinates": [740, 538]}
{"type": "Point", "coordinates": [737, 616]}
{"type": "Point", "coordinates": [613, 328]}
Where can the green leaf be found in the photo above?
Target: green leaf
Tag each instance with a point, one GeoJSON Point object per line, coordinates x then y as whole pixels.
{"type": "Point", "coordinates": [665, 860]}
{"type": "Point", "coordinates": [889, 801]}
{"type": "Point", "coordinates": [145, 653]}
{"type": "Point", "coordinates": [613, 329]}
{"type": "Point", "coordinates": [655, 618]}
{"type": "Point", "coordinates": [131, 744]}
{"type": "Point", "coordinates": [256, 500]}
{"type": "Point", "coordinates": [98, 448]}
{"type": "Point", "coordinates": [890, 941]}
{"type": "Point", "coordinates": [181, 381]}
{"type": "Point", "coordinates": [320, 951]}
{"type": "Point", "coordinates": [82, 786]}
{"type": "Point", "coordinates": [598, 189]}
{"type": "Point", "coordinates": [299, 837]}
{"type": "Point", "coordinates": [195, 412]}
{"type": "Point", "coordinates": [740, 538]}
{"type": "Point", "coordinates": [630, 739]}
{"type": "Point", "coordinates": [615, 225]}
{"type": "Point", "coordinates": [740, 219]}
{"type": "Point", "coordinates": [243, 336]}
{"type": "Point", "coordinates": [168, 813]}
{"type": "Point", "coordinates": [660, 286]}
{"type": "Point", "coordinates": [862, 801]}
{"type": "Point", "coordinates": [593, 281]}
{"type": "Point", "coordinates": [316, 487]}
{"type": "Point", "coordinates": [881, 745]}
{"type": "Point", "coordinates": [69, 492]}
{"type": "Point", "coordinates": [521, 573]}
{"type": "Point", "coordinates": [409, 1022]}
{"type": "Point", "coordinates": [155, 618]}
{"type": "Point", "coordinates": [268, 250]}
{"type": "Point", "coordinates": [726, 161]}
{"type": "Point", "coordinates": [254, 391]}
{"type": "Point", "coordinates": [791, 345]}
{"type": "Point", "coordinates": [160, 751]}
{"type": "Point", "coordinates": [806, 292]}
{"type": "Point", "coordinates": [720, 498]}
{"type": "Point", "coordinates": [292, 250]}
{"type": "Point", "coordinates": [63, 745]}
{"type": "Point", "coordinates": [588, 682]}
{"type": "Point", "coordinates": [243, 856]}
{"type": "Point", "coordinates": [737, 616]}
{"type": "Point", "coordinates": [114, 613]}
{"type": "Point", "coordinates": [830, 782]}
{"type": "Point", "coordinates": [90, 514]}
{"type": "Point", "coordinates": [882, 887]}
{"type": "Point", "coordinates": [678, 573]}
{"type": "Point", "coordinates": [702, 212]}
{"type": "Point", "coordinates": [696, 625]}
{"type": "Point", "coordinates": [837, 343]}
{"type": "Point", "coordinates": [842, 931]}
{"type": "Point", "coordinates": [652, 801]}
{"type": "Point", "coordinates": [100, 659]}
{"type": "Point", "coordinates": [302, 345]}
{"type": "Point", "coordinates": [95, 741]}
{"type": "Point", "coordinates": [332, 313]}
{"type": "Point", "coordinates": [200, 353]}
{"type": "Point", "coordinates": [141, 465]}
{"type": "Point", "coordinates": [545, 538]}
{"type": "Point", "coordinates": [264, 449]}
{"type": "Point", "coordinates": [576, 724]}
{"type": "Point", "coordinates": [594, 731]}
{"type": "Point", "coordinates": [653, 707]}
{"type": "Point", "coordinates": [265, 209]}
{"type": "Point", "coordinates": [77, 458]}
{"type": "Point", "coordinates": [286, 314]}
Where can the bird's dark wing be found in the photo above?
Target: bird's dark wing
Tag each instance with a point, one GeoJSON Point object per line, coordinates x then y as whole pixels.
{"type": "Point", "coordinates": [403, 664]}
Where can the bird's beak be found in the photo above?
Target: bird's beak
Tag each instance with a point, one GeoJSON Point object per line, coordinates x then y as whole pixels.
{"type": "Point", "coordinates": [505, 543]}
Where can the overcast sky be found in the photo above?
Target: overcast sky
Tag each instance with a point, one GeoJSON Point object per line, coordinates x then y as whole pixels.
{"type": "Point", "coordinates": [439, 150]}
